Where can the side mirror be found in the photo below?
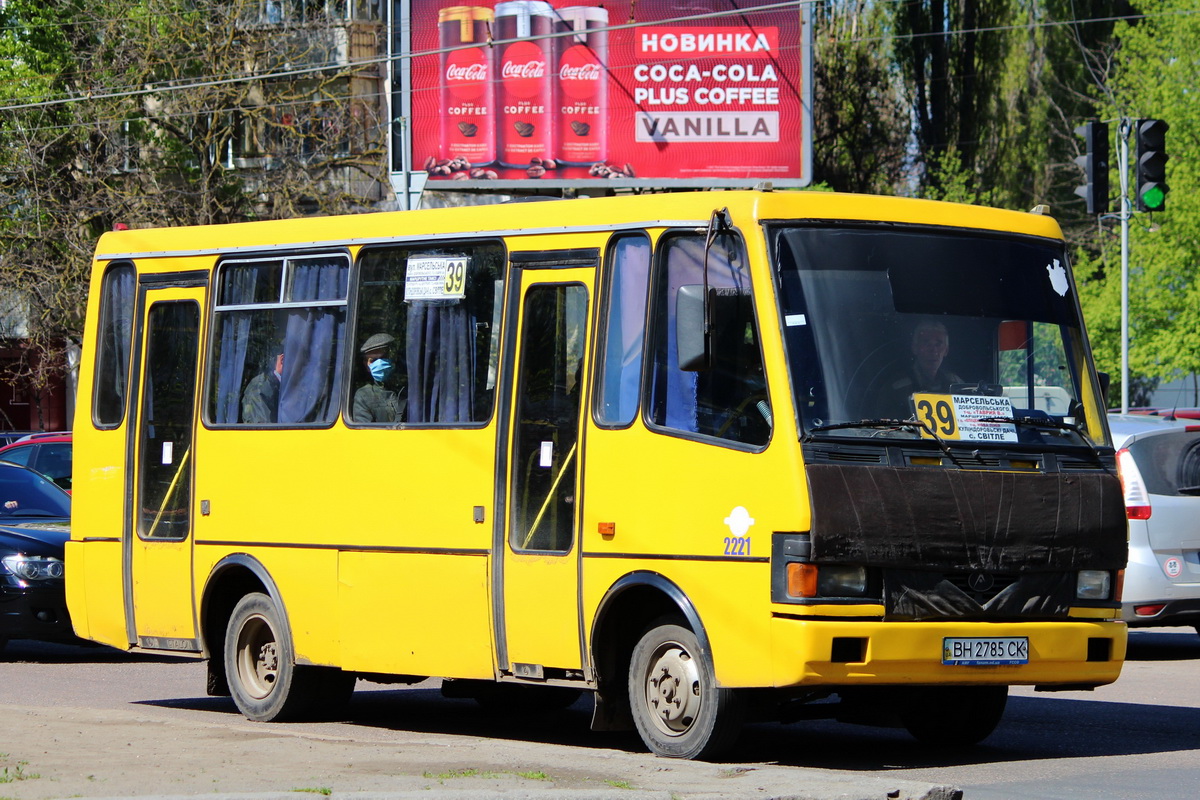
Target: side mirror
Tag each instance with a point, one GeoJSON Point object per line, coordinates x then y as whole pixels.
{"type": "Point", "coordinates": [1105, 382]}
{"type": "Point", "coordinates": [691, 342]}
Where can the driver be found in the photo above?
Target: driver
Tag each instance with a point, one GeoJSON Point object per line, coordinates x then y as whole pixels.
{"type": "Point", "coordinates": [925, 372]}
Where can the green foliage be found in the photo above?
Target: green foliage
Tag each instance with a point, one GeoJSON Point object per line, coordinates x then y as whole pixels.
{"type": "Point", "coordinates": [1156, 75]}
{"type": "Point", "coordinates": [122, 111]}
{"type": "Point", "coordinates": [860, 118]}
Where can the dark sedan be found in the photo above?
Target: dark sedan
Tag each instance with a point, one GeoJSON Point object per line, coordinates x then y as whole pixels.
{"type": "Point", "coordinates": [35, 517]}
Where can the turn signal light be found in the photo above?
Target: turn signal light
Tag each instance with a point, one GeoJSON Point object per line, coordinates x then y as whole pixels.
{"type": "Point", "coordinates": [801, 579]}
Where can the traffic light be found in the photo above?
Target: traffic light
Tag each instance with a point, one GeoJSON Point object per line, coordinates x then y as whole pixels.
{"type": "Point", "coordinates": [1151, 170]}
{"type": "Point", "coordinates": [1095, 166]}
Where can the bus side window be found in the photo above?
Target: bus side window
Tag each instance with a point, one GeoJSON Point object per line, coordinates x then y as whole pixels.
{"type": "Point", "coordinates": [277, 334]}
{"type": "Point", "coordinates": [623, 331]}
{"type": "Point", "coordinates": [426, 336]}
{"type": "Point", "coordinates": [117, 294]}
{"type": "Point", "coordinates": [728, 399]}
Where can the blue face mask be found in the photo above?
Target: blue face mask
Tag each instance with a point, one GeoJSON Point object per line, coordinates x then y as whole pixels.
{"type": "Point", "coordinates": [380, 369]}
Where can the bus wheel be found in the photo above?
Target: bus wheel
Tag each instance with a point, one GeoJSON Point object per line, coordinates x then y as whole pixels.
{"type": "Point", "coordinates": [678, 709]}
{"type": "Point", "coordinates": [950, 716]}
{"type": "Point", "coordinates": [259, 662]}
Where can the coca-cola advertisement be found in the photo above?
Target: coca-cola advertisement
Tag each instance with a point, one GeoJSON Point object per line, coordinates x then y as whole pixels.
{"type": "Point", "coordinates": [648, 92]}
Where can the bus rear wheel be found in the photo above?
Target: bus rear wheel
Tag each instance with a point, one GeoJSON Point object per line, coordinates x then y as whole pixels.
{"type": "Point", "coordinates": [678, 709]}
{"type": "Point", "coordinates": [266, 683]}
{"type": "Point", "coordinates": [953, 716]}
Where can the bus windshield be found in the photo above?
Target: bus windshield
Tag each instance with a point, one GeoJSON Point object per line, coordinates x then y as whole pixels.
{"type": "Point", "coordinates": [959, 335]}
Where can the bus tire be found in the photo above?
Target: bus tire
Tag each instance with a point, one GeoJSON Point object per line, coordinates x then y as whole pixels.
{"type": "Point", "coordinates": [678, 709]}
{"type": "Point", "coordinates": [953, 716]}
{"type": "Point", "coordinates": [260, 664]}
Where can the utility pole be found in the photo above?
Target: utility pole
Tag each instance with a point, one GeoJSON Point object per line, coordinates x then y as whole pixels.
{"type": "Point", "coordinates": [1125, 213]}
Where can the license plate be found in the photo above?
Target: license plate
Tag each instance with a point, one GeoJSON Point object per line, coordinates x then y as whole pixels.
{"type": "Point", "coordinates": [983, 652]}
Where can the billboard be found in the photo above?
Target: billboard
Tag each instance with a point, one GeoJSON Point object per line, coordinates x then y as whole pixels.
{"type": "Point", "coordinates": [524, 93]}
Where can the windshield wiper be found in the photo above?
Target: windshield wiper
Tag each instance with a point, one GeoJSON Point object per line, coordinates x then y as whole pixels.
{"type": "Point", "coordinates": [1043, 423]}
{"type": "Point", "coordinates": [898, 424]}
{"type": "Point", "coordinates": [912, 425]}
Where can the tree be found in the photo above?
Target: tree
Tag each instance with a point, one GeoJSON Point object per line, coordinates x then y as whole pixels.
{"type": "Point", "coordinates": [996, 89]}
{"type": "Point", "coordinates": [860, 119]}
{"type": "Point", "coordinates": [169, 112]}
{"type": "Point", "coordinates": [1155, 74]}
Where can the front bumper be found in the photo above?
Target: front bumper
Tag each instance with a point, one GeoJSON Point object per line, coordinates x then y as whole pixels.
{"type": "Point", "coordinates": [1077, 653]}
{"type": "Point", "coordinates": [35, 612]}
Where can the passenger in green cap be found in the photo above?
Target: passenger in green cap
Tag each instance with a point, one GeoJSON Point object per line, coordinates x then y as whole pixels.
{"type": "Point", "coordinates": [376, 401]}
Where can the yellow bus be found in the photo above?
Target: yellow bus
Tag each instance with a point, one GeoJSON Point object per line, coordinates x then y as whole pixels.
{"type": "Point", "coordinates": [697, 454]}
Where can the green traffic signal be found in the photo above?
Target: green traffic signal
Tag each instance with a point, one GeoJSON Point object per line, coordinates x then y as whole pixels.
{"type": "Point", "coordinates": [1153, 197]}
{"type": "Point", "coordinates": [1151, 167]}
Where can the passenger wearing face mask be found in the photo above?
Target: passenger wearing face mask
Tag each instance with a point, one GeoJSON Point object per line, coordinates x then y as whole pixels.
{"type": "Point", "coordinates": [378, 401]}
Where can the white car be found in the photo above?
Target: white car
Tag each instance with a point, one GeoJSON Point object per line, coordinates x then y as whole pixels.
{"type": "Point", "coordinates": [1159, 463]}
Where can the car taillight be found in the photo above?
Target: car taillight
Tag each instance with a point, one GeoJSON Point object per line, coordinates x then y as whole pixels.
{"type": "Point", "coordinates": [1137, 499]}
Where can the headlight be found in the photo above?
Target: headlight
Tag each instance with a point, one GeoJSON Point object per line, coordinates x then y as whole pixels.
{"type": "Point", "coordinates": [841, 581]}
{"type": "Point", "coordinates": [33, 568]}
{"type": "Point", "coordinates": [1093, 584]}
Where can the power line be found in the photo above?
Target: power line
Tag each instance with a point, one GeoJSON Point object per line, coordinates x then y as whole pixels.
{"type": "Point", "coordinates": [351, 65]}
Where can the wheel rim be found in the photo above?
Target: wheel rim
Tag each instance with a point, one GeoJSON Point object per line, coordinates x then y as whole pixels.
{"type": "Point", "coordinates": [257, 657]}
{"type": "Point", "coordinates": [673, 689]}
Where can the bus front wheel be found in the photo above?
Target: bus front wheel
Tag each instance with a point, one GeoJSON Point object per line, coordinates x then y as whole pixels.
{"type": "Point", "coordinates": [953, 716]}
{"type": "Point", "coordinates": [266, 683]}
{"type": "Point", "coordinates": [678, 709]}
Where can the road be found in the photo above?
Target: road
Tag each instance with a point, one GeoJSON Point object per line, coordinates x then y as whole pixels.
{"type": "Point", "coordinates": [92, 722]}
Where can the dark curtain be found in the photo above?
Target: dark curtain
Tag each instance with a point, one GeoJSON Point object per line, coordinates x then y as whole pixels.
{"type": "Point", "coordinates": [441, 363]}
{"type": "Point", "coordinates": [312, 352]}
{"type": "Point", "coordinates": [233, 341]}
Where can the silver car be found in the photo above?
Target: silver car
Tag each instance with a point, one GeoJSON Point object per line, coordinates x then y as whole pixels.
{"type": "Point", "coordinates": [1159, 463]}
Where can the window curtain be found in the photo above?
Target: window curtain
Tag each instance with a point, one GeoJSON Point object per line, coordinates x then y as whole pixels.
{"type": "Point", "coordinates": [312, 352]}
{"type": "Point", "coordinates": [441, 363]}
{"type": "Point", "coordinates": [238, 287]}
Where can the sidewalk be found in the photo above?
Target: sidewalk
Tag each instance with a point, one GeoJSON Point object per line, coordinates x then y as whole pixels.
{"type": "Point", "coordinates": [94, 753]}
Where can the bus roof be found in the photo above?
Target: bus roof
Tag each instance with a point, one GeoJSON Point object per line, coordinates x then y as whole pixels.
{"type": "Point", "coordinates": [560, 216]}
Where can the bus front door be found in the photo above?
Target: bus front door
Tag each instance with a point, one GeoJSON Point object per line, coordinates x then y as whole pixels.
{"type": "Point", "coordinates": [159, 605]}
{"type": "Point", "coordinates": [540, 614]}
